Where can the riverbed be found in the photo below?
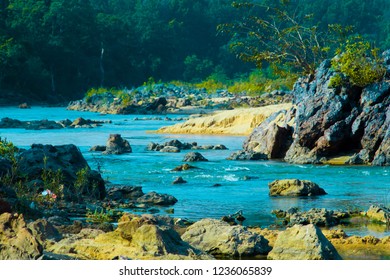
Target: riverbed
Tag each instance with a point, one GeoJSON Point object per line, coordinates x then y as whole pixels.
{"type": "Point", "coordinates": [243, 185]}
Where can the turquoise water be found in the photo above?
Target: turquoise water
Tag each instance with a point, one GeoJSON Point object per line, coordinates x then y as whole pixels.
{"type": "Point", "coordinates": [348, 187]}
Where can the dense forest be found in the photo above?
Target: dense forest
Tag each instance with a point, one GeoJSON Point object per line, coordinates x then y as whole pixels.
{"type": "Point", "coordinates": [55, 50]}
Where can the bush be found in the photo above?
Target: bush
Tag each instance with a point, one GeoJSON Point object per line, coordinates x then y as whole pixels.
{"type": "Point", "coordinates": [358, 62]}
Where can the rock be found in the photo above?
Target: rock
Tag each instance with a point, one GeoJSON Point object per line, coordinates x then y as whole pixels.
{"type": "Point", "coordinates": [184, 167]}
{"type": "Point", "coordinates": [124, 192]}
{"type": "Point", "coordinates": [79, 122]}
{"type": "Point", "coordinates": [317, 217]}
{"type": "Point", "coordinates": [220, 239]}
{"type": "Point", "coordinates": [136, 237]}
{"type": "Point", "coordinates": [24, 106]}
{"type": "Point", "coordinates": [194, 156]}
{"type": "Point", "coordinates": [247, 155]}
{"type": "Point", "coordinates": [5, 166]}
{"type": "Point", "coordinates": [219, 147]}
{"type": "Point", "coordinates": [332, 121]}
{"type": "Point", "coordinates": [379, 214]}
{"type": "Point", "coordinates": [154, 198]}
{"type": "Point", "coordinates": [272, 138]}
{"type": "Point", "coordinates": [170, 149]}
{"type": "Point", "coordinates": [16, 240]}
{"type": "Point", "coordinates": [44, 231]}
{"type": "Point", "coordinates": [158, 105]}
{"type": "Point", "coordinates": [98, 148]}
{"type": "Point", "coordinates": [66, 158]}
{"type": "Point", "coordinates": [179, 180]}
{"type": "Point", "coordinates": [294, 187]}
{"type": "Point", "coordinates": [31, 125]}
{"type": "Point", "coordinates": [303, 243]}
{"type": "Point", "coordinates": [117, 145]}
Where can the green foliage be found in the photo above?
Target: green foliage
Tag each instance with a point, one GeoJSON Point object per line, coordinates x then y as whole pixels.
{"type": "Point", "coordinates": [99, 216]}
{"type": "Point", "coordinates": [263, 80]}
{"type": "Point", "coordinates": [358, 62]}
{"type": "Point", "coordinates": [8, 150]}
{"type": "Point", "coordinates": [124, 95]}
{"type": "Point", "coordinates": [196, 68]}
{"type": "Point", "coordinates": [53, 180]}
{"type": "Point", "coordinates": [82, 181]}
{"type": "Point", "coordinates": [274, 33]}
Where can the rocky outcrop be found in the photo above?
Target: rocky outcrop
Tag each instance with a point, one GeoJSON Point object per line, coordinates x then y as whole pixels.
{"type": "Point", "coordinates": [44, 231]}
{"type": "Point", "coordinates": [176, 146]}
{"type": "Point", "coordinates": [294, 187]}
{"type": "Point", "coordinates": [116, 145]}
{"type": "Point", "coordinates": [329, 122]}
{"type": "Point", "coordinates": [137, 237]}
{"type": "Point", "coordinates": [16, 240]}
{"type": "Point", "coordinates": [303, 243]}
{"type": "Point", "coordinates": [194, 156]}
{"type": "Point", "coordinates": [232, 122]}
{"type": "Point", "coordinates": [48, 124]}
{"type": "Point", "coordinates": [318, 217]}
{"type": "Point", "coordinates": [153, 198]}
{"type": "Point", "coordinates": [66, 158]}
{"type": "Point", "coordinates": [220, 239]}
{"type": "Point", "coordinates": [121, 192]}
{"type": "Point", "coordinates": [379, 214]}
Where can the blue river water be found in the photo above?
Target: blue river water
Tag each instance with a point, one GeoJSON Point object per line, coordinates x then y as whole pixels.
{"type": "Point", "coordinates": [348, 187]}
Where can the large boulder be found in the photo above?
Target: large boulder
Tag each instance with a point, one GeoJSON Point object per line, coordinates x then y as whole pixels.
{"type": "Point", "coordinates": [223, 240]}
{"type": "Point", "coordinates": [117, 145]}
{"type": "Point", "coordinates": [66, 158]}
{"type": "Point", "coordinates": [16, 240]}
{"type": "Point", "coordinates": [303, 243]}
{"type": "Point", "coordinates": [44, 231]}
{"type": "Point", "coordinates": [153, 198]}
{"type": "Point", "coordinates": [136, 237]}
{"type": "Point", "coordinates": [120, 192]}
{"type": "Point", "coordinates": [294, 187]}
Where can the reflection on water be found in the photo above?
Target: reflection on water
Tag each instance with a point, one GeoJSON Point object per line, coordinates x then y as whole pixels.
{"type": "Point", "coordinates": [243, 185]}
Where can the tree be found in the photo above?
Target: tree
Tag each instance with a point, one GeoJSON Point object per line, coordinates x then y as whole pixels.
{"type": "Point", "coordinates": [275, 33]}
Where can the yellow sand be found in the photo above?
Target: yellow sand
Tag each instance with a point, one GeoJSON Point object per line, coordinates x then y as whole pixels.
{"type": "Point", "coordinates": [231, 122]}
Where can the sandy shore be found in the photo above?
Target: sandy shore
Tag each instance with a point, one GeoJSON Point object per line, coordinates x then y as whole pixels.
{"type": "Point", "coordinates": [231, 122]}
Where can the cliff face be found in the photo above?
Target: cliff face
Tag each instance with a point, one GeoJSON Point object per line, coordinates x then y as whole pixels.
{"type": "Point", "coordinates": [331, 122]}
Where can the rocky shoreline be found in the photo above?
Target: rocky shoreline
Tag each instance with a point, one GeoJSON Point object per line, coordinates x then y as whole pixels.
{"type": "Point", "coordinates": [172, 99]}
{"type": "Point", "coordinates": [74, 214]}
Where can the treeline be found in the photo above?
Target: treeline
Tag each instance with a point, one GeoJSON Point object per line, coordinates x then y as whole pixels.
{"type": "Point", "coordinates": [57, 49]}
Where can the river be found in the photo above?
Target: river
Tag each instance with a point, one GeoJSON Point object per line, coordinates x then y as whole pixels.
{"type": "Point", "coordinates": [348, 187]}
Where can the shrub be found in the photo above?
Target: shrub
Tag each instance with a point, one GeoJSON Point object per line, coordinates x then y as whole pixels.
{"type": "Point", "coordinates": [358, 62]}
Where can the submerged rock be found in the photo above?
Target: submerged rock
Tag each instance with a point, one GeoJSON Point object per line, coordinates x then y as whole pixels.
{"type": "Point", "coordinates": [184, 167]}
{"type": "Point", "coordinates": [294, 187]}
{"type": "Point", "coordinates": [179, 180]}
{"type": "Point", "coordinates": [303, 243]}
{"type": "Point", "coordinates": [223, 240]}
